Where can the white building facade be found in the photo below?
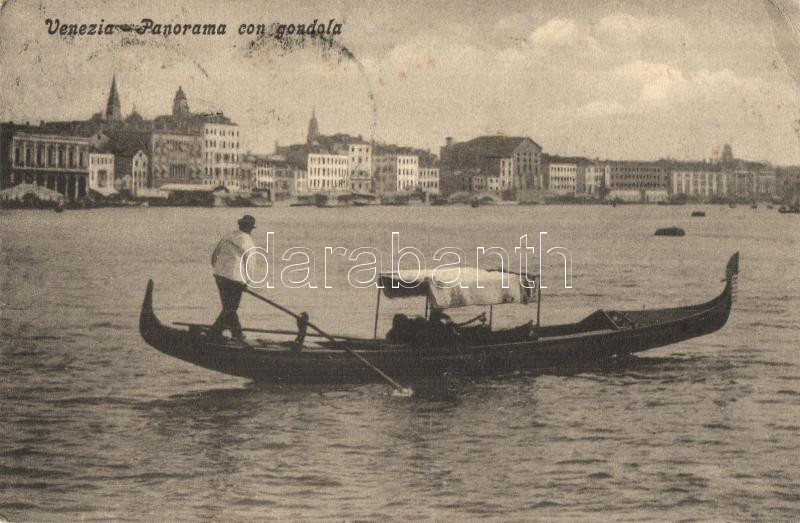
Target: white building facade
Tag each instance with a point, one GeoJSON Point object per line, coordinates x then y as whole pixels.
{"type": "Point", "coordinates": [698, 183]}
{"type": "Point", "coordinates": [300, 181]}
{"type": "Point", "coordinates": [139, 170]}
{"type": "Point", "coordinates": [328, 173]}
{"type": "Point", "coordinates": [221, 153]}
{"type": "Point", "coordinates": [429, 180]}
{"type": "Point", "coordinates": [101, 173]}
{"type": "Point", "coordinates": [264, 175]}
{"type": "Point", "coordinates": [596, 174]}
{"type": "Point", "coordinates": [396, 173]}
{"type": "Point", "coordinates": [407, 173]}
{"type": "Point", "coordinates": [563, 177]}
{"type": "Point", "coordinates": [359, 165]}
{"type": "Point", "coordinates": [506, 181]}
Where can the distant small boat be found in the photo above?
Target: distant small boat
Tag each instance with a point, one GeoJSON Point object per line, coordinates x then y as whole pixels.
{"type": "Point", "coordinates": [246, 199]}
{"type": "Point", "coordinates": [698, 214]}
{"type": "Point", "coordinates": [754, 206]}
{"type": "Point", "coordinates": [783, 209]}
{"type": "Point", "coordinates": [670, 231]}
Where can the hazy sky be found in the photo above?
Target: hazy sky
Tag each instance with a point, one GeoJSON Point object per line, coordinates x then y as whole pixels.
{"type": "Point", "coordinates": [638, 80]}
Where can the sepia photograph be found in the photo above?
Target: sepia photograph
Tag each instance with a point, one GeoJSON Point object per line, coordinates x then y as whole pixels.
{"type": "Point", "coordinates": [505, 260]}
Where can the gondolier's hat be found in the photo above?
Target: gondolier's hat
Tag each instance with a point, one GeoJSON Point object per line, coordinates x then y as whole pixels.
{"type": "Point", "coordinates": [247, 221]}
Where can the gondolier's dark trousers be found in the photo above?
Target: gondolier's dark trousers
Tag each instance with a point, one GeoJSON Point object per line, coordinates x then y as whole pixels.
{"type": "Point", "coordinates": [230, 294]}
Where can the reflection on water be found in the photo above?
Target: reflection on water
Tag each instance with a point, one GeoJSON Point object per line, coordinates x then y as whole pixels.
{"type": "Point", "coordinates": [98, 425]}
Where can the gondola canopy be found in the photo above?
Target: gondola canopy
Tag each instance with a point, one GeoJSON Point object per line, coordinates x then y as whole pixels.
{"type": "Point", "coordinates": [450, 288]}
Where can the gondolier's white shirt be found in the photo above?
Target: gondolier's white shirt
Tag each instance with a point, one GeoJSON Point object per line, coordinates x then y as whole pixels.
{"type": "Point", "coordinates": [227, 257]}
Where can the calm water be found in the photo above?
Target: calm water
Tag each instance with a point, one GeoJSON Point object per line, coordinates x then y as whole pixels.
{"type": "Point", "coordinates": [96, 424]}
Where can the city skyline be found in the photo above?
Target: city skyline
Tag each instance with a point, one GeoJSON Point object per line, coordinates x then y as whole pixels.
{"type": "Point", "coordinates": [610, 81]}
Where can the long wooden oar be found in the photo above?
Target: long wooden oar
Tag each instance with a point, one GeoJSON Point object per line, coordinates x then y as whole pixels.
{"type": "Point", "coordinates": [399, 389]}
{"type": "Point", "coordinates": [275, 331]}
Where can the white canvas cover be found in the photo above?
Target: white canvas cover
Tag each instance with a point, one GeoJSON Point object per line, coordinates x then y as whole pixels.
{"type": "Point", "coordinates": [451, 287]}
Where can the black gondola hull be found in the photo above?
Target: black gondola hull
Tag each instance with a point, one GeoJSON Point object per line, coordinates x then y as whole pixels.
{"type": "Point", "coordinates": [278, 363]}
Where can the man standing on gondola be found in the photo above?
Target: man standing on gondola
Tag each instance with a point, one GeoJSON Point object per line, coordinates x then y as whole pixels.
{"type": "Point", "coordinates": [228, 264]}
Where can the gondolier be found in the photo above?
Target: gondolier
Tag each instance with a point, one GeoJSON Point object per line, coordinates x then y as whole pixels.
{"type": "Point", "coordinates": [227, 263]}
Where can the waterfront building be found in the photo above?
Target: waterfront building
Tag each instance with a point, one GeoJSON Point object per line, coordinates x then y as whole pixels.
{"type": "Point", "coordinates": [327, 173]}
{"type": "Point", "coordinates": [563, 177]}
{"type": "Point", "coordinates": [505, 181]}
{"type": "Point", "coordinates": [429, 180]}
{"type": "Point", "coordinates": [221, 151]}
{"type": "Point", "coordinates": [491, 156]}
{"type": "Point", "coordinates": [766, 183]}
{"type": "Point", "coordinates": [182, 147]}
{"type": "Point", "coordinates": [131, 171]}
{"type": "Point", "coordinates": [699, 180]}
{"type": "Point", "coordinates": [44, 157]}
{"type": "Point", "coordinates": [281, 177]}
{"type": "Point", "coordinates": [741, 183]}
{"type": "Point", "coordinates": [175, 157]}
{"type": "Point", "coordinates": [131, 160]}
{"type": "Point", "coordinates": [396, 173]}
{"type": "Point", "coordinates": [264, 179]}
{"type": "Point", "coordinates": [219, 141]}
{"type": "Point", "coordinates": [300, 180]}
{"type": "Point", "coordinates": [478, 183]}
{"type": "Point", "coordinates": [359, 165]}
{"type": "Point", "coordinates": [101, 172]}
{"type": "Point", "coordinates": [362, 163]}
{"type": "Point", "coordinates": [595, 175]}
{"type": "Point", "coordinates": [247, 175]}
{"type": "Point", "coordinates": [633, 181]}
{"type": "Point", "coordinates": [496, 175]}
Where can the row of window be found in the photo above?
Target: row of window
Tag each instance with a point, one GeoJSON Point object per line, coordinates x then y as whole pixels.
{"type": "Point", "coordinates": [101, 160]}
{"type": "Point", "coordinates": [327, 184]}
{"type": "Point", "coordinates": [327, 173]}
{"type": "Point", "coordinates": [212, 144]}
{"type": "Point", "coordinates": [327, 160]}
{"type": "Point", "coordinates": [50, 156]}
{"type": "Point", "coordinates": [222, 171]}
{"type": "Point", "coordinates": [221, 132]}
{"type": "Point", "coordinates": [222, 157]}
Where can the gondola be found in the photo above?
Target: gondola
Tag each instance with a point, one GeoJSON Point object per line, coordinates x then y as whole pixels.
{"type": "Point", "coordinates": [461, 351]}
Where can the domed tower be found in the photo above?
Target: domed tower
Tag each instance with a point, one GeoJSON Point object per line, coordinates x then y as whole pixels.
{"type": "Point", "coordinates": [134, 119]}
{"type": "Point", "coordinates": [180, 106]}
{"type": "Point", "coordinates": [313, 127]}
{"type": "Point", "coordinates": [727, 155]}
{"type": "Point", "coordinates": [113, 107]}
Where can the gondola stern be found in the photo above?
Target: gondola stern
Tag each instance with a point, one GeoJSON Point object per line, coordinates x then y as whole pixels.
{"type": "Point", "coordinates": [732, 268]}
{"type": "Point", "coordinates": [147, 305]}
{"type": "Point", "coordinates": [731, 277]}
{"type": "Point", "coordinates": [148, 322]}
